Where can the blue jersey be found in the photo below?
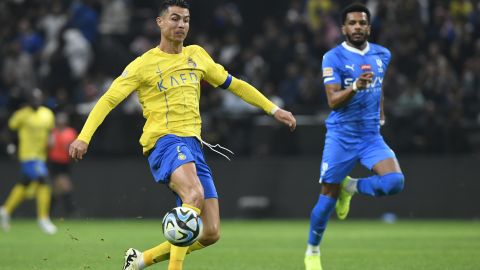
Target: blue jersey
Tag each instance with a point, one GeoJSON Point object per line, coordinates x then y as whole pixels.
{"type": "Point", "coordinates": [342, 65]}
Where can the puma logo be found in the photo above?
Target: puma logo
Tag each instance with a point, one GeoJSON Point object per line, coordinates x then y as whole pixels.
{"type": "Point", "coordinates": [350, 67]}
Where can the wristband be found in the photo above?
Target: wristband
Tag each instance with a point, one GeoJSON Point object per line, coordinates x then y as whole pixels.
{"type": "Point", "coordinates": [382, 122]}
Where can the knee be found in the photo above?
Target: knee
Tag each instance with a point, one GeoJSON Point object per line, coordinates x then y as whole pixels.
{"type": "Point", "coordinates": [193, 195]}
{"type": "Point", "coordinates": [330, 190]}
{"type": "Point", "coordinates": [196, 196]}
{"type": "Point", "coordinates": [210, 235]}
{"type": "Point", "coordinates": [393, 183]}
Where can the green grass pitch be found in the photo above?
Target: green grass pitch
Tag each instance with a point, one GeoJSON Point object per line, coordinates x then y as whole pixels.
{"type": "Point", "coordinates": [252, 245]}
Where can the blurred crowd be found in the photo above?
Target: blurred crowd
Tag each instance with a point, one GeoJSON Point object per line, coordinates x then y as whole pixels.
{"type": "Point", "coordinates": [72, 50]}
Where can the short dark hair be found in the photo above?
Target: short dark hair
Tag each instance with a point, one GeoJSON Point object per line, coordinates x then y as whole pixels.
{"type": "Point", "coordinates": [168, 3]}
{"type": "Point", "coordinates": [355, 7]}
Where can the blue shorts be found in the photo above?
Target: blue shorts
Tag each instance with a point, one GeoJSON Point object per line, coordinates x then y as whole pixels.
{"type": "Point", "coordinates": [170, 152]}
{"type": "Point", "coordinates": [34, 169]}
{"type": "Point", "coordinates": [341, 153]}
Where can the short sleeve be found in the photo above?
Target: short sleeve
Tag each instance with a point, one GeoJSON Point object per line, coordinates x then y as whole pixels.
{"type": "Point", "coordinates": [330, 71]}
{"type": "Point", "coordinates": [215, 74]}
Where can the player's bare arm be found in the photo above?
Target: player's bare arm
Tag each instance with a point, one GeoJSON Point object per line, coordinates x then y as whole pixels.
{"type": "Point", "coordinates": [337, 97]}
{"type": "Point", "coordinates": [77, 149]}
{"type": "Point", "coordinates": [286, 118]}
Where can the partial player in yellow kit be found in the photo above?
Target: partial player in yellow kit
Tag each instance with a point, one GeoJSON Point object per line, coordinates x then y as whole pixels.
{"type": "Point", "coordinates": [33, 124]}
{"type": "Point", "coordinates": [167, 80]}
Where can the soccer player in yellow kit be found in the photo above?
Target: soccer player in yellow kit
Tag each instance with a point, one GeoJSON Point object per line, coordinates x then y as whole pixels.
{"type": "Point", "coordinates": [167, 79]}
{"type": "Point", "coordinates": [33, 124]}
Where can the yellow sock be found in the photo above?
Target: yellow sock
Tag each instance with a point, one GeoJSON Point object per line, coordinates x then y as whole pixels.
{"type": "Point", "coordinates": [44, 195]}
{"type": "Point", "coordinates": [177, 256]}
{"type": "Point", "coordinates": [165, 251]}
{"type": "Point", "coordinates": [161, 252]}
{"type": "Point", "coordinates": [17, 195]}
{"type": "Point", "coordinates": [195, 246]}
{"type": "Point", "coordinates": [193, 208]}
{"type": "Point", "coordinates": [157, 254]}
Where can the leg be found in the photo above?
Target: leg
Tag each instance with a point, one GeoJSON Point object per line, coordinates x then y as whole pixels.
{"type": "Point", "coordinates": [16, 196]}
{"type": "Point", "coordinates": [211, 233]}
{"type": "Point", "coordinates": [62, 190]}
{"type": "Point", "coordinates": [192, 181]}
{"type": "Point", "coordinates": [44, 195]}
{"type": "Point", "coordinates": [389, 179]}
{"type": "Point", "coordinates": [186, 184]}
{"type": "Point", "coordinates": [377, 156]}
{"type": "Point", "coordinates": [336, 163]}
{"type": "Point", "coordinates": [20, 191]}
{"type": "Point", "coordinates": [318, 223]}
{"type": "Point", "coordinates": [211, 223]}
{"type": "Point", "coordinates": [321, 212]}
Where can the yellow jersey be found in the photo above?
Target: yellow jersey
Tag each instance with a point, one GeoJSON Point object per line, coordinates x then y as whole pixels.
{"type": "Point", "coordinates": [33, 128]}
{"type": "Point", "coordinates": [168, 88]}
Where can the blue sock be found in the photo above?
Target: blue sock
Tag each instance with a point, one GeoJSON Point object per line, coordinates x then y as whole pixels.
{"type": "Point", "coordinates": [376, 186]}
{"type": "Point", "coordinates": [319, 218]}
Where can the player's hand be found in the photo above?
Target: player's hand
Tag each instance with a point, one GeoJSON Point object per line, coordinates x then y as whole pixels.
{"type": "Point", "coordinates": [286, 118]}
{"type": "Point", "coordinates": [11, 149]}
{"type": "Point", "coordinates": [77, 149]}
{"type": "Point", "coordinates": [364, 80]}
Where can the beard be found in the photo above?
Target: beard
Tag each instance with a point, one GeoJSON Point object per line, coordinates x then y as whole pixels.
{"type": "Point", "coordinates": [357, 42]}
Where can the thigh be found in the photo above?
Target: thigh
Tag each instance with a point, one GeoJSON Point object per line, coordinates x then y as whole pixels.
{"type": "Point", "coordinates": [385, 166]}
{"type": "Point", "coordinates": [170, 153]}
{"type": "Point", "coordinates": [205, 179]}
{"type": "Point", "coordinates": [375, 150]}
{"type": "Point", "coordinates": [203, 170]}
{"type": "Point", "coordinates": [183, 180]}
{"type": "Point", "coordinates": [338, 160]}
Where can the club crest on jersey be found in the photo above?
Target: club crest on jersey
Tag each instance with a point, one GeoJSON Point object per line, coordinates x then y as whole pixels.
{"type": "Point", "coordinates": [191, 63]}
{"type": "Point", "coordinates": [366, 67]}
{"type": "Point", "coordinates": [380, 65]}
{"type": "Point", "coordinates": [181, 156]}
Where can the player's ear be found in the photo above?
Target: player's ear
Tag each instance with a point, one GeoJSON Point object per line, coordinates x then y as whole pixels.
{"type": "Point", "coordinates": [344, 32]}
{"type": "Point", "coordinates": [159, 21]}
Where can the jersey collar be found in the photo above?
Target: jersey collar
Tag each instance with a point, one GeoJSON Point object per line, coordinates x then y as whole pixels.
{"type": "Point", "coordinates": [355, 50]}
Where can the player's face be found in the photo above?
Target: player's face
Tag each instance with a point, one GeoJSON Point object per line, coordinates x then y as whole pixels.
{"type": "Point", "coordinates": [356, 28]}
{"type": "Point", "coordinates": [174, 23]}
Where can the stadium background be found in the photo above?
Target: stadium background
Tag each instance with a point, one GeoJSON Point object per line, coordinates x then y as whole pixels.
{"type": "Point", "coordinates": [73, 49]}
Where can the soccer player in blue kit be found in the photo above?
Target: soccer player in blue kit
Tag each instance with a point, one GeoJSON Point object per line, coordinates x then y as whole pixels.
{"type": "Point", "coordinates": [353, 75]}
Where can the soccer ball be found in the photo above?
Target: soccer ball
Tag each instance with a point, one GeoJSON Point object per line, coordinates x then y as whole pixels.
{"type": "Point", "coordinates": [182, 226]}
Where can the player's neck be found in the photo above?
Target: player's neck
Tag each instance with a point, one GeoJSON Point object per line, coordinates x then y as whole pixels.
{"type": "Point", "coordinates": [360, 47]}
{"type": "Point", "coordinates": [170, 47]}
